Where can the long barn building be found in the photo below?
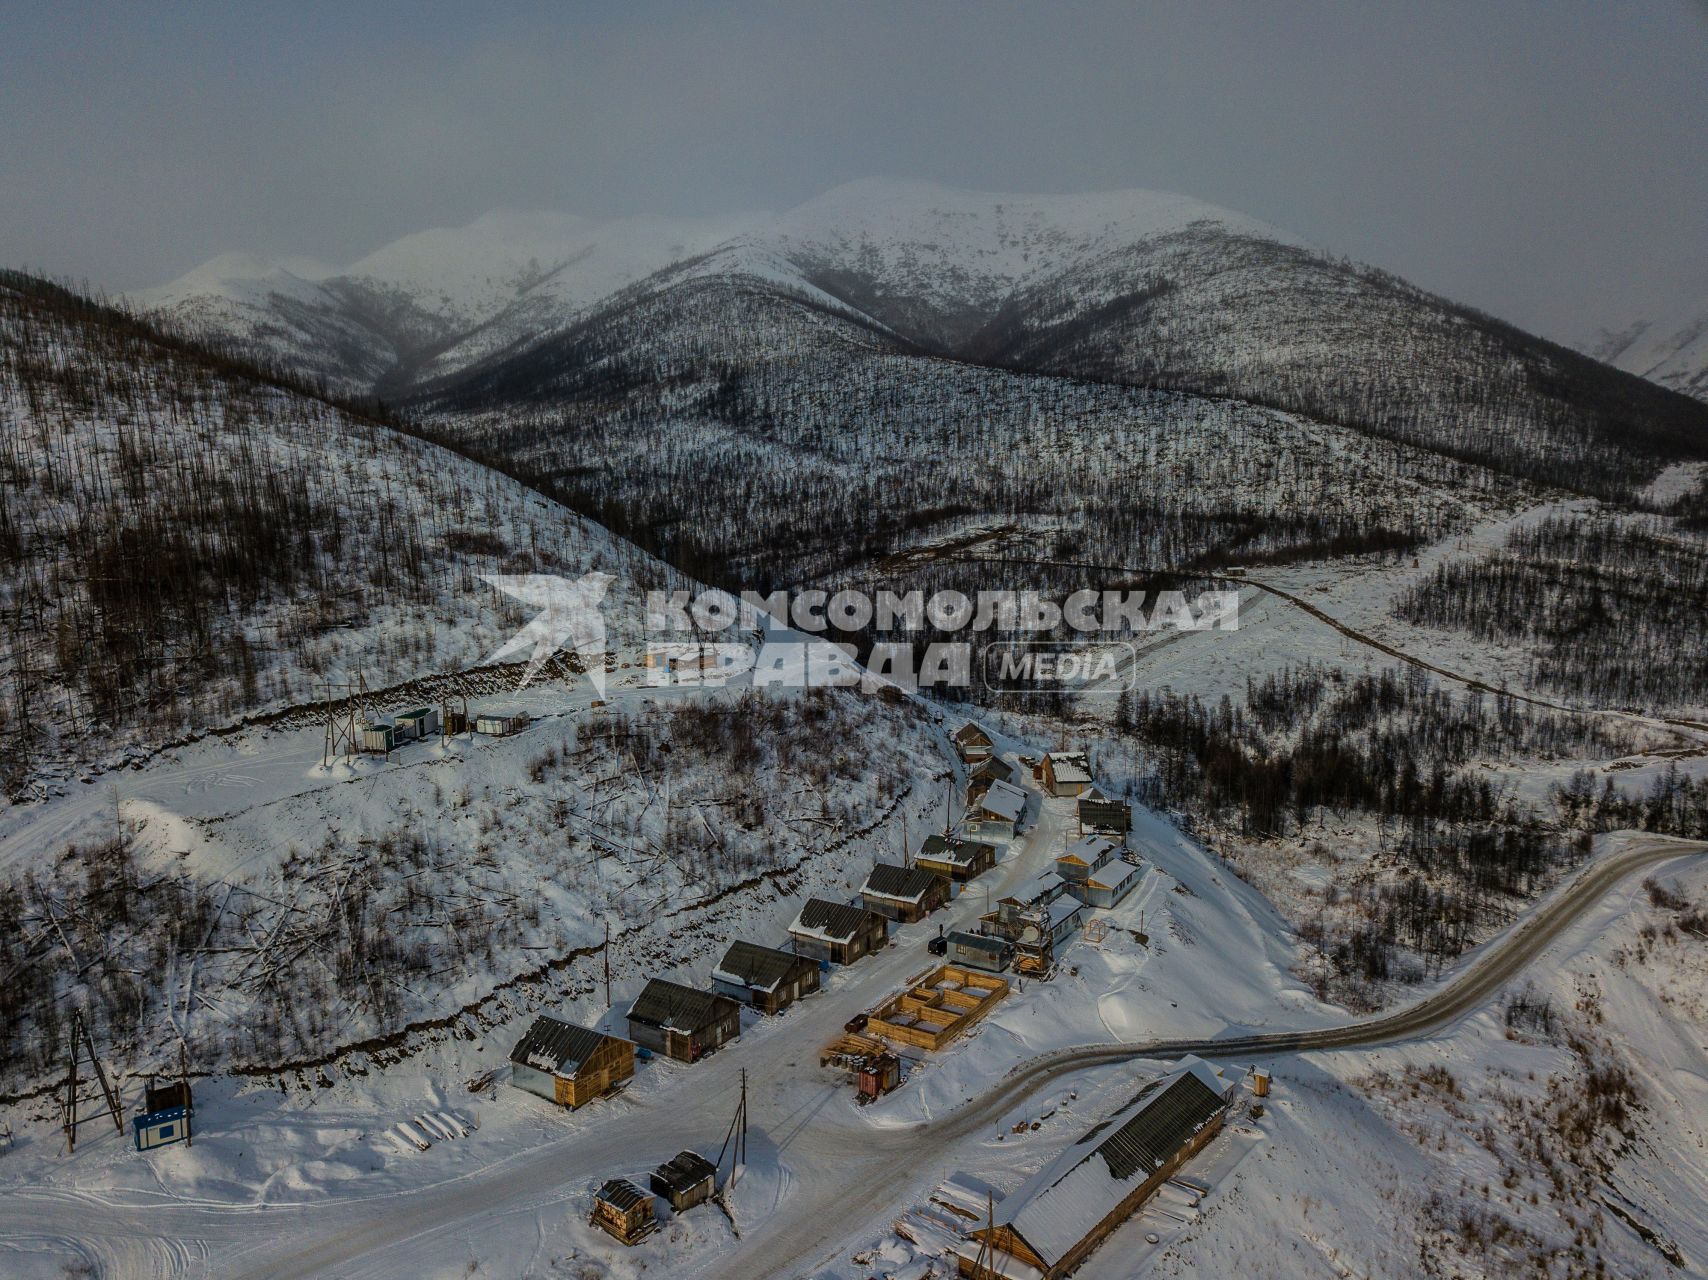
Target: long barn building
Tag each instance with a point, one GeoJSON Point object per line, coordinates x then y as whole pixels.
{"type": "Point", "coordinates": [1052, 1222]}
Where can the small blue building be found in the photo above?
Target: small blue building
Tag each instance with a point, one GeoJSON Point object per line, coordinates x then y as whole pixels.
{"type": "Point", "coordinates": [161, 1128]}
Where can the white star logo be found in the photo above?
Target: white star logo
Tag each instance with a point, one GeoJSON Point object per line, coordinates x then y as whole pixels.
{"type": "Point", "coordinates": [569, 617]}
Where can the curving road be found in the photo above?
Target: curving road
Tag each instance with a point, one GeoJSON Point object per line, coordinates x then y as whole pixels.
{"type": "Point", "coordinates": [789, 1248]}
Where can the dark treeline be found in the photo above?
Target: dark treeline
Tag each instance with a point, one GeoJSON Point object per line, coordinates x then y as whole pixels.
{"type": "Point", "coordinates": [1674, 804]}
{"type": "Point", "coordinates": [1611, 607]}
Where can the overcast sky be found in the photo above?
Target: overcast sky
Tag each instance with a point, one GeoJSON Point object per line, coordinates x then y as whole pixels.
{"type": "Point", "coordinates": [1547, 161]}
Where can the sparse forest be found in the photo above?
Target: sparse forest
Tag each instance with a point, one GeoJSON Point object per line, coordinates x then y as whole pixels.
{"type": "Point", "coordinates": [1610, 607]}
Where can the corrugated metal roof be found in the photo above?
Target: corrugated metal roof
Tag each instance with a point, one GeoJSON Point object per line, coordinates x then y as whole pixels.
{"type": "Point", "coordinates": [960, 853]}
{"type": "Point", "coordinates": [622, 1194]}
{"type": "Point", "coordinates": [682, 1172]}
{"type": "Point", "coordinates": [834, 920]}
{"type": "Point", "coordinates": [762, 968]}
{"type": "Point", "coordinates": [1060, 1205]}
{"type": "Point", "coordinates": [557, 1046]}
{"type": "Point", "coordinates": [670, 1004]}
{"type": "Point", "coordinates": [1105, 813]}
{"type": "Point", "coordinates": [907, 884]}
{"type": "Point", "coordinates": [977, 942]}
{"type": "Point", "coordinates": [1093, 851]}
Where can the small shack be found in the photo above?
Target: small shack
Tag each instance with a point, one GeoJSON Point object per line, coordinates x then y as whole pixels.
{"type": "Point", "coordinates": [682, 1023]}
{"type": "Point", "coordinates": [764, 978]}
{"type": "Point", "coordinates": [979, 951]}
{"type": "Point", "coordinates": [877, 1075]}
{"type": "Point", "coordinates": [903, 894]}
{"type": "Point", "coordinates": [838, 932]}
{"type": "Point", "coordinates": [1066, 773]}
{"type": "Point", "coordinates": [973, 744]}
{"type": "Point", "coordinates": [685, 1180]}
{"type": "Point", "coordinates": [167, 1116]}
{"type": "Point", "coordinates": [378, 739]}
{"type": "Point", "coordinates": [998, 811]}
{"type": "Point", "coordinates": [960, 860]}
{"type": "Point", "coordinates": [624, 1210]}
{"type": "Point", "coordinates": [421, 722]}
{"type": "Point", "coordinates": [1104, 817]}
{"type": "Point", "coordinates": [501, 726]}
{"type": "Point", "coordinates": [569, 1065]}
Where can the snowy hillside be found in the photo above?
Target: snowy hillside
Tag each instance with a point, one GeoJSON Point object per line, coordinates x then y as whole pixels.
{"type": "Point", "coordinates": [187, 543]}
{"type": "Point", "coordinates": [1672, 351]}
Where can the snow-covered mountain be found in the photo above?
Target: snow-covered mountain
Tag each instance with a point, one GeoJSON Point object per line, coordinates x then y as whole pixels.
{"type": "Point", "coordinates": [439, 298]}
{"type": "Point", "coordinates": [936, 260]}
{"type": "Point", "coordinates": [1672, 351]}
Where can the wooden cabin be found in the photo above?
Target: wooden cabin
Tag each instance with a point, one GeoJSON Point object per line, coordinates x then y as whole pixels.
{"type": "Point", "coordinates": [681, 1022]}
{"type": "Point", "coordinates": [685, 1180]}
{"type": "Point", "coordinates": [996, 769]}
{"type": "Point", "coordinates": [959, 860]}
{"type": "Point", "coordinates": [998, 812]}
{"type": "Point", "coordinates": [1084, 856]}
{"type": "Point", "coordinates": [569, 1065]}
{"type": "Point", "coordinates": [624, 1210]}
{"type": "Point", "coordinates": [973, 744]}
{"type": "Point", "coordinates": [837, 932]}
{"type": "Point", "coordinates": [764, 978]}
{"type": "Point", "coordinates": [903, 894]}
{"type": "Point", "coordinates": [1054, 1220]}
{"type": "Point", "coordinates": [1066, 773]}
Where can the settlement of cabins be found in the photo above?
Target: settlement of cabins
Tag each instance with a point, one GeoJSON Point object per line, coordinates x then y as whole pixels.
{"type": "Point", "coordinates": [1051, 1223]}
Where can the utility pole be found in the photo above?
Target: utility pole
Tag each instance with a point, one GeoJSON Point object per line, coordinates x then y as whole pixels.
{"type": "Point", "coordinates": [737, 1133]}
{"type": "Point", "coordinates": [906, 856]}
{"type": "Point", "coordinates": [607, 956]}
